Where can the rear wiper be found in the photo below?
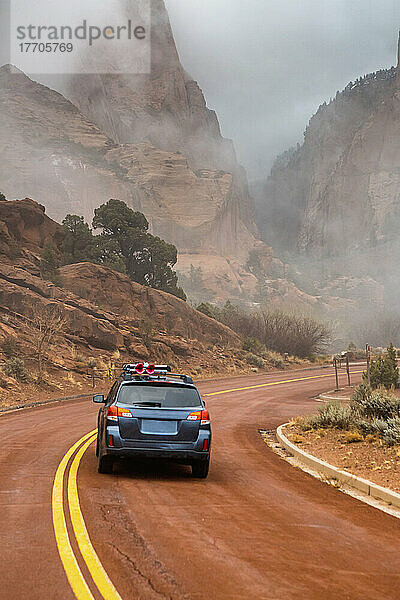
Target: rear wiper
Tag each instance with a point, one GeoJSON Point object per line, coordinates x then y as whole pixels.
{"type": "Point", "coordinates": [149, 404]}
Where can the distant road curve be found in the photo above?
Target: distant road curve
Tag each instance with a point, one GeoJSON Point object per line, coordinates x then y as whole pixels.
{"type": "Point", "coordinates": [257, 528]}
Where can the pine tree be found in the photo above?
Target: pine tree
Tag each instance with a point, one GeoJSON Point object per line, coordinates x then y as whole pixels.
{"type": "Point", "coordinates": [384, 371]}
{"type": "Point", "coordinates": [124, 245]}
{"type": "Point", "coordinates": [148, 259]}
{"type": "Point", "coordinates": [78, 243]}
{"type": "Point", "coordinates": [49, 264]}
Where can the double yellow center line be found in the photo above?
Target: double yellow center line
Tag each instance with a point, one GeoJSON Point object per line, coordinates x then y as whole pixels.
{"type": "Point", "coordinates": [263, 385]}
{"type": "Point", "coordinates": [60, 505]}
{"type": "Point", "coordinates": [72, 569]}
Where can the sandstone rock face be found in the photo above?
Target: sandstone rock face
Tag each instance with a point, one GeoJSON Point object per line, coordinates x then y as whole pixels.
{"type": "Point", "coordinates": [25, 223]}
{"type": "Point", "coordinates": [328, 193]}
{"type": "Point", "coordinates": [222, 278]}
{"type": "Point", "coordinates": [49, 151]}
{"type": "Point", "coordinates": [201, 211]}
{"type": "Point", "coordinates": [149, 141]}
{"type": "Point", "coordinates": [166, 107]}
{"type": "Point", "coordinates": [360, 199]}
{"type": "Point", "coordinates": [25, 294]}
{"type": "Point", "coordinates": [81, 169]}
{"type": "Point", "coordinates": [335, 199]}
{"type": "Point", "coordinates": [103, 310]}
{"type": "Point", "coordinates": [134, 303]}
{"type": "Point", "coordinates": [167, 110]}
{"type": "Point", "coordinates": [196, 210]}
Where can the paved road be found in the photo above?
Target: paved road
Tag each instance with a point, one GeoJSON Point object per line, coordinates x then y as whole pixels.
{"type": "Point", "coordinates": [257, 528]}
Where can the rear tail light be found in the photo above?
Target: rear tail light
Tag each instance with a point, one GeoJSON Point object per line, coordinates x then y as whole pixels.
{"type": "Point", "coordinates": [200, 415]}
{"type": "Point", "coordinates": [205, 445]}
{"type": "Point", "coordinates": [150, 369]}
{"type": "Point", "coordinates": [205, 417]}
{"type": "Point", "coordinates": [122, 412]}
{"type": "Point", "coordinates": [140, 369]}
{"type": "Point", "coordinates": [194, 416]}
{"type": "Point", "coordinates": [114, 412]}
{"type": "Point", "coordinates": [110, 440]}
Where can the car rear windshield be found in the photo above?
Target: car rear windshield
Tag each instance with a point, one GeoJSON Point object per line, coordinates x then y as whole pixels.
{"type": "Point", "coordinates": [159, 396]}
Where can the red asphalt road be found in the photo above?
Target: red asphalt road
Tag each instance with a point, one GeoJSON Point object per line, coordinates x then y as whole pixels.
{"type": "Point", "coordinates": [257, 528]}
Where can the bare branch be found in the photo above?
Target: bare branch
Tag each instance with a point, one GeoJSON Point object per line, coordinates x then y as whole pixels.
{"type": "Point", "coordinates": [50, 323]}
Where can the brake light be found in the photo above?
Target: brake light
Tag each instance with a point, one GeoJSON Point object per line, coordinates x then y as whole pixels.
{"type": "Point", "coordinates": [122, 412]}
{"type": "Point", "coordinates": [205, 445]}
{"type": "Point", "coordinates": [194, 416]}
{"type": "Point", "coordinates": [205, 417]}
{"type": "Point", "coordinates": [200, 415]}
{"type": "Point", "coordinates": [110, 440]}
{"type": "Point", "coordinates": [150, 369]}
{"type": "Point", "coordinates": [112, 413]}
{"type": "Point", "coordinates": [140, 369]}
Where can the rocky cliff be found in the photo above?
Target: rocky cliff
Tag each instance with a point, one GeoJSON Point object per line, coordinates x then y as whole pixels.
{"type": "Point", "coordinates": [106, 314]}
{"type": "Point", "coordinates": [150, 141]}
{"type": "Point", "coordinates": [315, 193]}
{"type": "Point", "coordinates": [335, 198]}
{"type": "Point", "coordinates": [167, 109]}
{"type": "Point", "coordinates": [49, 150]}
{"type": "Point", "coordinates": [199, 184]}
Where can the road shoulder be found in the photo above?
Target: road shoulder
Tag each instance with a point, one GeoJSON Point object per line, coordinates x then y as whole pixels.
{"type": "Point", "coordinates": [371, 493]}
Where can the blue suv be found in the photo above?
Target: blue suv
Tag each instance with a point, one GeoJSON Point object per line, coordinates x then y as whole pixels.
{"type": "Point", "coordinates": [150, 412]}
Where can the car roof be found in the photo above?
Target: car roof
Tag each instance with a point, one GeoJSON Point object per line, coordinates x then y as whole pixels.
{"type": "Point", "coordinates": [151, 380]}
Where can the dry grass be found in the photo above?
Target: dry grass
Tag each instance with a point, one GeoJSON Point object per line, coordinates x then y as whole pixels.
{"type": "Point", "coordinates": [352, 437]}
{"type": "Point", "coordinates": [297, 438]}
{"type": "Point", "coordinates": [368, 457]}
{"type": "Point", "coordinates": [71, 379]}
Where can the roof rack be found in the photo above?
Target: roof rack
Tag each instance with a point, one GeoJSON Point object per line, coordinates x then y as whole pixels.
{"type": "Point", "coordinates": [145, 368]}
{"type": "Point", "coordinates": [148, 372]}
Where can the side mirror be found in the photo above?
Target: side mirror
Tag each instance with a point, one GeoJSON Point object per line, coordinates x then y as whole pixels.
{"type": "Point", "coordinates": [99, 399]}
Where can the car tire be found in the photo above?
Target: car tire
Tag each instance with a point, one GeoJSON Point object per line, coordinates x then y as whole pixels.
{"type": "Point", "coordinates": [105, 465]}
{"type": "Point", "coordinates": [200, 469]}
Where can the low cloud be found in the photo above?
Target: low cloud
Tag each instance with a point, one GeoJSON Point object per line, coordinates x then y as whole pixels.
{"type": "Point", "coordinates": [266, 65]}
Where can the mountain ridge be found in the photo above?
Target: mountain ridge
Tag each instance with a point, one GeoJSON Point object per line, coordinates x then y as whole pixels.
{"type": "Point", "coordinates": [148, 140]}
{"type": "Point", "coordinates": [331, 205]}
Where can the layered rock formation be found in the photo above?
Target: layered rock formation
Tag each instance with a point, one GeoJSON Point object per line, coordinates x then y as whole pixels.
{"type": "Point", "coordinates": [104, 310]}
{"type": "Point", "coordinates": [24, 230]}
{"type": "Point", "coordinates": [199, 186]}
{"type": "Point", "coordinates": [317, 192]}
{"type": "Point", "coordinates": [335, 199]}
{"type": "Point", "coordinates": [166, 108]}
{"type": "Point", "coordinates": [51, 151]}
{"type": "Point", "coordinates": [150, 141]}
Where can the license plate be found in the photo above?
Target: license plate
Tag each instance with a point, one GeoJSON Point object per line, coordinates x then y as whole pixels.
{"type": "Point", "coordinates": [159, 427]}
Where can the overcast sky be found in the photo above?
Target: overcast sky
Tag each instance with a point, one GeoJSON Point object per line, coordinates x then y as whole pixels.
{"type": "Point", "coordinates": [266, 65]}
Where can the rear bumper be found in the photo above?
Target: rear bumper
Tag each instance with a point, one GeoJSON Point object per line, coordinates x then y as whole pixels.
{"type": "Point", "coordinates": [183, 452]}
{"type": "Point", "coordinates": [182, 456]}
